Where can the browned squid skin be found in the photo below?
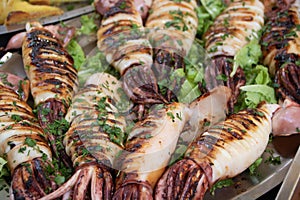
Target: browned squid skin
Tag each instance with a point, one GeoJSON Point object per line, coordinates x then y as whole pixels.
{"type": "Point", "coordinates": [93, 140]}
{"type": "Point", "coordinates": [31, 178]}
{"type": "Point", "coordinates": [223, 65]}
{"type": "Point", "coordinates": [31, 181]}
{"type": "Point", "coordinates": [129, 189]}
{"type": "Point", "coordinates": [288, 79]}
{"type": "Point", "coordinates": [131, 57]}
{"type": "Point", "coordinates": [164, 63]}
{"type": "Point", "coordinates": [53, 79]}
{"type": "Point", "coordinates": [178, 184]}
{"type": "Point", "coordinates": [223, 151]}
{"type": "Point", "coordinates": [231, 31]}
{"type": "Point", "coordinates": [171, 40]}
{"type": "Point", "coordinates": [281, 51]}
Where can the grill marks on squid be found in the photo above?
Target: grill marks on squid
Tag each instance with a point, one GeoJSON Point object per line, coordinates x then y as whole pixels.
{"type": "Point", "coordinates": [277, 46]}
{"type": "Point", "coordinates": [235, 128]}
{"type": "Point", "coordinates": [231, 31]}
{"type": "Point", "coordinates": [280, 46]}
{"type": "Point", "coordinates": [121, 38]}
{"type": "Point", "coordinates": [53, 69]}
{"type": "Point", "coordinates": [27, 162]}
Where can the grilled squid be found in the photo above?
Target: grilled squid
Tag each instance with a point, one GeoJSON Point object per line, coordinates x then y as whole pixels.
{"type": "Point", "coordinates": [153, 138]}
{"type": "Point", "coordinates": [152, 141]}
{"type": "Point", "coordinates": [53, 79]}
{"type": "Point", "coordinates": [173, 26]}
{"type": "Point", "coordinates": [223, 151]}
{"type": "Point", "coordinates": [286, 119]}
{"type": "Point", "coordinates": [94, 140]}
{"type": "Point", "coordinates": [63, 33]}
{"type": "Point", "coordinates": [122, 39]}
{"type": "Point", "coordinates": [232, 30]}
{"type": "Point", "coordinates": [142, 6]}
{"type": "Point", "coordinates": [20, 86]}
{"type": "Point", "coordinates": [25, 147]}
{"type": "Point", "coordinates": [280, 43]}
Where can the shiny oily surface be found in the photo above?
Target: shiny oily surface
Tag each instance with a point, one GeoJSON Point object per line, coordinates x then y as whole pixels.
{"type": "Point", "coordinates": [245, 186]}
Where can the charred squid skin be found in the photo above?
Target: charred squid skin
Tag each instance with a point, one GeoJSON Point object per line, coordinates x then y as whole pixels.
{"type": "Point", "coordinates": [155, 136]}
{"type": "Point", "coordinates": [177, 184]}
{"type": "Point", "coordinates": [281, 51]}
{"type": "Point", "coordinates": [280, 39]}
{"type": "Point", "coordinates": [232, 30]}
{"type": "Point", "coordinates": [129, 189]}
{"type": "Point", "coordinates": [28, 162]}
{"type": "Point", "coordinates": [90, 141]}
{"type": "Point", "coordinates": [122, 39]}
{"type": "Point", "coordinates": [287, 78]}
{"type": "Point", "coordinates": [224, 65]}
{"type": "Point", "coordinates": [241, 138]}
{"type": "Point", "coordinates": [164, 63]}
{"type": "Point", "coordinates": [171, 41]}
{"type": "Point", "coordinates": [53, 79]}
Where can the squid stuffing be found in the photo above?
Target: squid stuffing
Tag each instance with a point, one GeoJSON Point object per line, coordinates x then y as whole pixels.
{"type": "Point", "coordinates": [53, 79]}
{"type": "Point", "coordinates": [172, 29]}
{"type": "Point", "coordinates": [24, 145]}
{"type": "Point", "coordinates": [241, 138]}
{"type": "Point", "coordinates": [156, 137]}
{"type": "Point", "coordinates": [232, 29]}
{"type": "Point", "coordinates": [94, 140]}
{"type": "Point", "coordinates": [122, 39]}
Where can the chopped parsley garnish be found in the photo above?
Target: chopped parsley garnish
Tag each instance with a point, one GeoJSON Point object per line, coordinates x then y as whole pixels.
{"type": "Point", "coordinates": [221, 184]}
{"type": "Point", "coordinates": [275, 160]}
{"type": "Point", "coordinates": [254, 166]}
{"type": "Point", "coordinates": [16, 118]}
{"type": "Point", "coordinates": [30, 142]}
{"type": "Point", "coordinates": [170, 114]}
{"type": "Point", "coordinates": [59, 179]}
{"type": "Point", "coordinates": [4, 80]}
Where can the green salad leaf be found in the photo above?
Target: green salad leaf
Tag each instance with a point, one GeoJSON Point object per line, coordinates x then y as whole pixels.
{"type": "Point", "coordinates": [221, 184]}
{"type": "Point", "coordinates": [94, 64]}
{"type": "Point", "coordinates": [253, 167]}
{"type": "Point", "coordinates": [254, 94]}
{"type": "Point", "coordinates": [213, 7]}
{"type": "Point", "coordinates": [258, 75]}
{"type": "Point", "coordinates": [3, 169]}
{"type": "Point", "coordinates": [88, 25]}
{"type": "Point", "coordinates": [247, 56]}
{"type": "Point", "coordinates": [194, 74]}
{"type": "Point", "coordinates": [206, 13]}
{"type": "Point", "coordinates": [76, 52]}
{"type": "Point", "coordinates": [257, 89]}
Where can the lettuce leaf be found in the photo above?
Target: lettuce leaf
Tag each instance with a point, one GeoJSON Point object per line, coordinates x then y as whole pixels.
{"type": "Point", "coordinates": [88, 25]}
{"type": "Point", "coordinates": [194, 74]}
{"type": "Point", "coordinates": [206, 14]}
{"type": "Point", "coordinates": [258, 93]}
{"type": "Point", "coordinates": [258, 75]}
{"type": "Point", "coordinates": [94, 64]}
{"type": "Point", "coordinates": [189, 91]}
{"type": "Point", "coordinates": [247, 56]}
{"type": "Point", "coordinates": [3, 169]}
{"type": "Point", "coordinates": [77, 53]}
{"type": "Point", "coordinates": [213, 7]}
{"type": "Point", "coordinates": [257, 88]}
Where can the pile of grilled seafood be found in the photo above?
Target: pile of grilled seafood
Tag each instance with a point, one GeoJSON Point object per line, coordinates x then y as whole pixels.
{"type": "Point", "coordinates": [83, 129]}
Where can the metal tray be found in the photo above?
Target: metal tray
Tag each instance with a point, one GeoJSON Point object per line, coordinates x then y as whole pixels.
{"type": "Point", "coordinates": [244, 187]}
